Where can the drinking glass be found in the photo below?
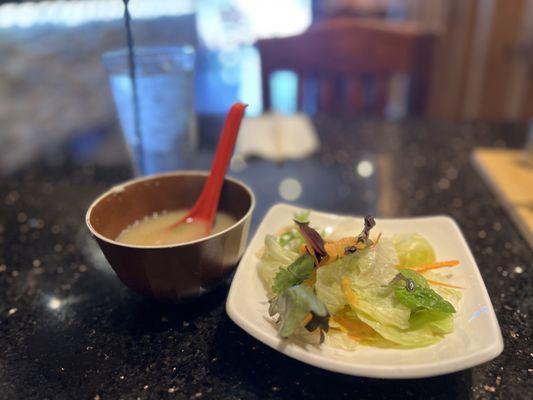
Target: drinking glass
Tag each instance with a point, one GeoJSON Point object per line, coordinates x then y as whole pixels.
{"type": "Point", "coordinates": [162, 136]}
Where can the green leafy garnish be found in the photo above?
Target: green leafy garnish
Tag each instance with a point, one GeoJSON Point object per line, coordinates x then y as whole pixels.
{"type": "Point", "coordinates": [294, 305]}
{"type": "Point", "coordinates": [291, 238]}
{"type": "Point", "coordinates": [294, 274]}
{"type": "Point", "coordinates": [417, 278]}
{"type": "Point", "coordinates": [302, 216]}
{"type": "Point", "coordinates": [421, 297]}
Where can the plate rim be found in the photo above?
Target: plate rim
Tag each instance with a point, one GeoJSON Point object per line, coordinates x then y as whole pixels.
{"type": "Point", "coordinates": [414, 371]}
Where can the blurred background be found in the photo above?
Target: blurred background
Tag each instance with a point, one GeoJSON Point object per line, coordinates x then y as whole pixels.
{"type": "Point", "coordinates": [477, 62]}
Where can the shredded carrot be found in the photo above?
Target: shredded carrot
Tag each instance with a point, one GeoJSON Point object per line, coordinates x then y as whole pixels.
{"type": "Point", "coordinates": [350, 295]}
{"type": "Point", "coordinates": [356, 329]}
{"type": "Point", "coordinates": [428, 267]}
{"type": "Point", "coordinates": [377, 240]}
{"type": "Point", "coordinates": [337, 248]}
{"type": "Point", "coordinates": [444, 284]}
{"type": "Point", "coordinates": [442, 264]}
{"type": "Point", "coordinates": [307, 318]}
{"type": "Point", "coordinates": [348, 324]}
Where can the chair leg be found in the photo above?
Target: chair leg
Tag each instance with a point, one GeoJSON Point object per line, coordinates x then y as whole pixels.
{"type": "Point", "coordinates": [300, 95]}
{"type": "Point", "coordinates": [381, 83]}
{"type": "Point", "coordinates": [265, 87]}
{"type": "Point", "coordinates": [326, 95]}
{"type": "Point", "coordinates": [353, 96]}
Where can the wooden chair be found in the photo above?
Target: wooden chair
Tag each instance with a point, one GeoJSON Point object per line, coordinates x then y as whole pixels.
{"type": "Point", "coordinates": [352, 60]}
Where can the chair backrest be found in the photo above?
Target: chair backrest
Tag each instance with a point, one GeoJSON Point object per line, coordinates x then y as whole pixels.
{"type": "Point", "coordinates": [350, 58]}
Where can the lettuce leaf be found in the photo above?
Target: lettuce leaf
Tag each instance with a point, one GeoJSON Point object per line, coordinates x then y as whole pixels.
{"type": "Point", "coordinates": [341, 340]}
{"type": "Point", "coordinates": [382, 307]}
{"type": "Point", "coordinates": [328, 278]}
{"type": "Point", "coordinates": [300, 270]}
{"type": "Point", "coordinates": [368, 268]}
{"type": "Point", "coordinates": [377, 265]}
{"type": "Point", "coordinates": [421, 296]}
{"type": "Point", "coordinates": [329, 292]}
{"type": "Point", "coordinates": [294, 305]}
{"type": "Point", "coordinates": [410, 338]}
{"type": "Point", "coordinates": [274, 257]}
{"type": "Point", "coordinates": [413, 249]}
{"type": "Point", "coordinates": [453, 296]}
{"type": "Point", "coordinates": [437, 321]}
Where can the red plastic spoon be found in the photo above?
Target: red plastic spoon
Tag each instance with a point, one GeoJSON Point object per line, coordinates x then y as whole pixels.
{"type": "Point", "coordinates": [205, 208]}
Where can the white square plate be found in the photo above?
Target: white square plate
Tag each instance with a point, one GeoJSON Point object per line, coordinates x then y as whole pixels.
{"type": "Point", "coordinates": [476, 338]}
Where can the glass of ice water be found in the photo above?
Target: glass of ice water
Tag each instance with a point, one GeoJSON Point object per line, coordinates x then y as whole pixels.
{"type": "Point", "coordinates": [157, 115]}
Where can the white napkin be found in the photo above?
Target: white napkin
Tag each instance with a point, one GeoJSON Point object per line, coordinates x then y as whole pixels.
{"type": "Point", "coordinates": [277, 137]}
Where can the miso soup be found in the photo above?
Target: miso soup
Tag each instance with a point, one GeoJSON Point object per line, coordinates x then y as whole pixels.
{"type": "Point", "coordinates": [155, 230]}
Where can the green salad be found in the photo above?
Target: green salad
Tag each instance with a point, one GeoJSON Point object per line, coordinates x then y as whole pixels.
{"type": "Point", "coordinates": [362, 289]}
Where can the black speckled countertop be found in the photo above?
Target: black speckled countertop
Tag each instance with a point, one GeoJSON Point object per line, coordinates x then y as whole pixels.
{"type": "Point", "coordinates": [70, 330]}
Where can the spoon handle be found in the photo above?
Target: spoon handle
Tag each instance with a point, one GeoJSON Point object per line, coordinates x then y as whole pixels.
{"type": "Point", "coordinates": [206, 206]}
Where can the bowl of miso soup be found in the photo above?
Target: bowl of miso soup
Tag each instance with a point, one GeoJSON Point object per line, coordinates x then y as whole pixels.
{"type": "Point", "coordinates": [132, 223]}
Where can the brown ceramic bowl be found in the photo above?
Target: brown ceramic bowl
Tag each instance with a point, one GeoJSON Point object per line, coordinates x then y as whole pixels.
{"type": "Point", "coordinates": [171, 272]}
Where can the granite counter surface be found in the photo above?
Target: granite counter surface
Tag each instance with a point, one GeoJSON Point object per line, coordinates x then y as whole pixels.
{"type": "Point", "coordinates": [70, 330]}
